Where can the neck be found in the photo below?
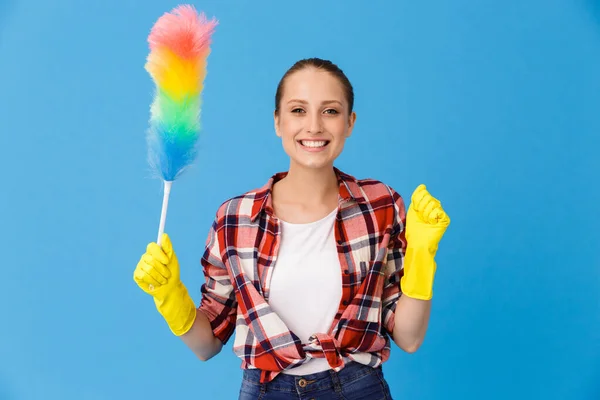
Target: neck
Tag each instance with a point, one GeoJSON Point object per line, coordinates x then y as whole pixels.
{"type": "Point", "coordinates": [307, 186]}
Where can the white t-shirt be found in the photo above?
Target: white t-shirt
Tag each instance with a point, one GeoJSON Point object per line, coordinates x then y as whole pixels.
{"type": "Point", "coordinates": [306, 286]}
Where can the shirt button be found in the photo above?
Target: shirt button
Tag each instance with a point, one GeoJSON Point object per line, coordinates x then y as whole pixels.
{"type": "Point", "coordinates": [346, 271]}
{"type": "Point", "coordinates": [345, 303]}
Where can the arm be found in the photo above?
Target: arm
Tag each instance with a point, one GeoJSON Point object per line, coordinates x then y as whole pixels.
{"type": "Point", "coordinates": [411, 322]}
{"type": "Point", "coordinates": [410, 269]}
{"type": "Point", "coordinates": [204, 329]}
{"type": "Point", "coordinates": [200, 338]}
{"type": "Point", "coordinates": [158, 274]}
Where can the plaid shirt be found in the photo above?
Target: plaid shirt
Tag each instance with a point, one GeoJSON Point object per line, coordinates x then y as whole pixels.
{"type": "Point", "coordinates": [240, 254]}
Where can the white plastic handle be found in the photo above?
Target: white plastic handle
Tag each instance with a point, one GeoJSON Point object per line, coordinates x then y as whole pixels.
{"type": "Point", "coordinates": [165, 206]}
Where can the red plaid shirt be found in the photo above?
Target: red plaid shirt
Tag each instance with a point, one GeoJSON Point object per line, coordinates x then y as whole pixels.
{"type": "Point", "coordinates": [238, 262]}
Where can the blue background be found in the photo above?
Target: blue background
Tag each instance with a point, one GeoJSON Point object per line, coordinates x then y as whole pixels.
{"type": "Point", "coordinates": [493, 104]}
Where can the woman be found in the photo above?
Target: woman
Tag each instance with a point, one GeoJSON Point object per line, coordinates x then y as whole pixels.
{"type": "Point", "coordinates": [317, 271]}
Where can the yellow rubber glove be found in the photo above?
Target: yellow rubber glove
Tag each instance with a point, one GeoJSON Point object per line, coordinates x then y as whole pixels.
{"type": "Point", "coordinates": [426, 223]}
{"type": "Point", "coordinates": [157, 273]}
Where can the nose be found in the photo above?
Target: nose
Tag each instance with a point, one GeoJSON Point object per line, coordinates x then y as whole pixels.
{"type": "Point", "coordinates": [315, 125]}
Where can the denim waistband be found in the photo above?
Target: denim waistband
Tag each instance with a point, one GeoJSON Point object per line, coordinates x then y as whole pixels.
{"type": "Point", "coordinates": [316, 381]}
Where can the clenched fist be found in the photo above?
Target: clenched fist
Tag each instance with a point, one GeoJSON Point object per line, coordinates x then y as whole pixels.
{"type": "Point", "coordinates": [426, 220]}
{"type": "Point", "coordinates": [426, 223]}
{"type": "Point", "coordinates": [157, 273]}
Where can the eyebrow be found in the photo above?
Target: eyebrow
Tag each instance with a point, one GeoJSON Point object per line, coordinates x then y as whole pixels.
{"type": "Point", "coordinates": [323, 102]}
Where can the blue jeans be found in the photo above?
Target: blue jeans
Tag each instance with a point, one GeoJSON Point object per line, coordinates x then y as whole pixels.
{"type": "Point", "coordinates": [355, 381]}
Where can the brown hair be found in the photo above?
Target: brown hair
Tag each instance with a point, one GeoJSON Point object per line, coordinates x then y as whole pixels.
{"type": "Point", "coordinates": [319, 64]}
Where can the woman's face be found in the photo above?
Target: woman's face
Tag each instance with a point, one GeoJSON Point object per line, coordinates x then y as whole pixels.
{"type": "Point", "coordinates": [313, 120]}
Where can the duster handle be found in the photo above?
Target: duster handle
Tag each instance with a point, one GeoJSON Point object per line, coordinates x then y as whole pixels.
{"type": "Point", "coordinates": [165, 206]}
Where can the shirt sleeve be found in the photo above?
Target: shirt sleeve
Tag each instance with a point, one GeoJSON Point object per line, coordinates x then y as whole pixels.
{"type": "Point", "coordinates": [218, 297]}
{"type": "Point", "coordinates": [395, 263]}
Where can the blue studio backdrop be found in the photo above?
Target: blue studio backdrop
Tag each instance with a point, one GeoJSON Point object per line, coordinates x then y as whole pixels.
{"type": "Point", "coordinates": [495, 105]}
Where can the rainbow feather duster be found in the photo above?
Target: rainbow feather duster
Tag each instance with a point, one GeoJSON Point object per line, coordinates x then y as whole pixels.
{"type": "Point", "coordinates": [179, 47]}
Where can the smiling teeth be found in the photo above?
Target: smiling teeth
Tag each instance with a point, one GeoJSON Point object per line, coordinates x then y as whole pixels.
{"type": "Point", "coordinates": [313, 143]}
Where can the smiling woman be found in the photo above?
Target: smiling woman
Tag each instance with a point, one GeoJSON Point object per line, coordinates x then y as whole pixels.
{"type": "Point", "coordinates": [314, 112]}
{"type": "Point", "coordinates": [317, 271]}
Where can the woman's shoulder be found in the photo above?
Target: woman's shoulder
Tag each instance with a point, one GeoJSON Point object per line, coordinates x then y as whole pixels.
{"type": "Point", "coordinates": [371, 189]}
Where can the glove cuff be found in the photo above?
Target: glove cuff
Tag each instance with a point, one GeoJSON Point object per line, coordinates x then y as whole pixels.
{"type": "Point", "coordinates": [178, 309]}
{"type": "Point", "coordinates": [419, 272]}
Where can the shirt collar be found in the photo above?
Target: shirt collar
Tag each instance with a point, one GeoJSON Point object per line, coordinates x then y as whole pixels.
{"type": "Point", "coordinates": [349, 190]}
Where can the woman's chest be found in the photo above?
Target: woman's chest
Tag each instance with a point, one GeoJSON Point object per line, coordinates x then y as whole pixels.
{"type": "Point", "coordinates": [350, 241]}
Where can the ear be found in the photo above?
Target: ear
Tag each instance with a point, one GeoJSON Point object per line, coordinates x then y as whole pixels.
{"type": "Point", "coordinates": [351, 121]}
{"type": "Point", "coordinates": [276, 123]}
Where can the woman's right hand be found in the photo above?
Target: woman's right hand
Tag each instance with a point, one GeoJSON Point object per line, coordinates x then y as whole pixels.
{"type": "Point", "coordinates": [157, 273]}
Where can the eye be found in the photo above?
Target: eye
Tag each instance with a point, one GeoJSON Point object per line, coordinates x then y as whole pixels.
{"type": "Point", "coordinates": [331, 111]}
{"type": "Point", "coordinates": [297, 110]}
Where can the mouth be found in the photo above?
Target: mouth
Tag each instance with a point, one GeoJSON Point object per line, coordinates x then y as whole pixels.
{"type": "Point", "coordinates": [313, 144]}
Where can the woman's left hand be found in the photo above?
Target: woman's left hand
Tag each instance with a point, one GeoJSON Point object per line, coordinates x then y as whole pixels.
{"type": "Point", "coordinates": [426, 220]}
